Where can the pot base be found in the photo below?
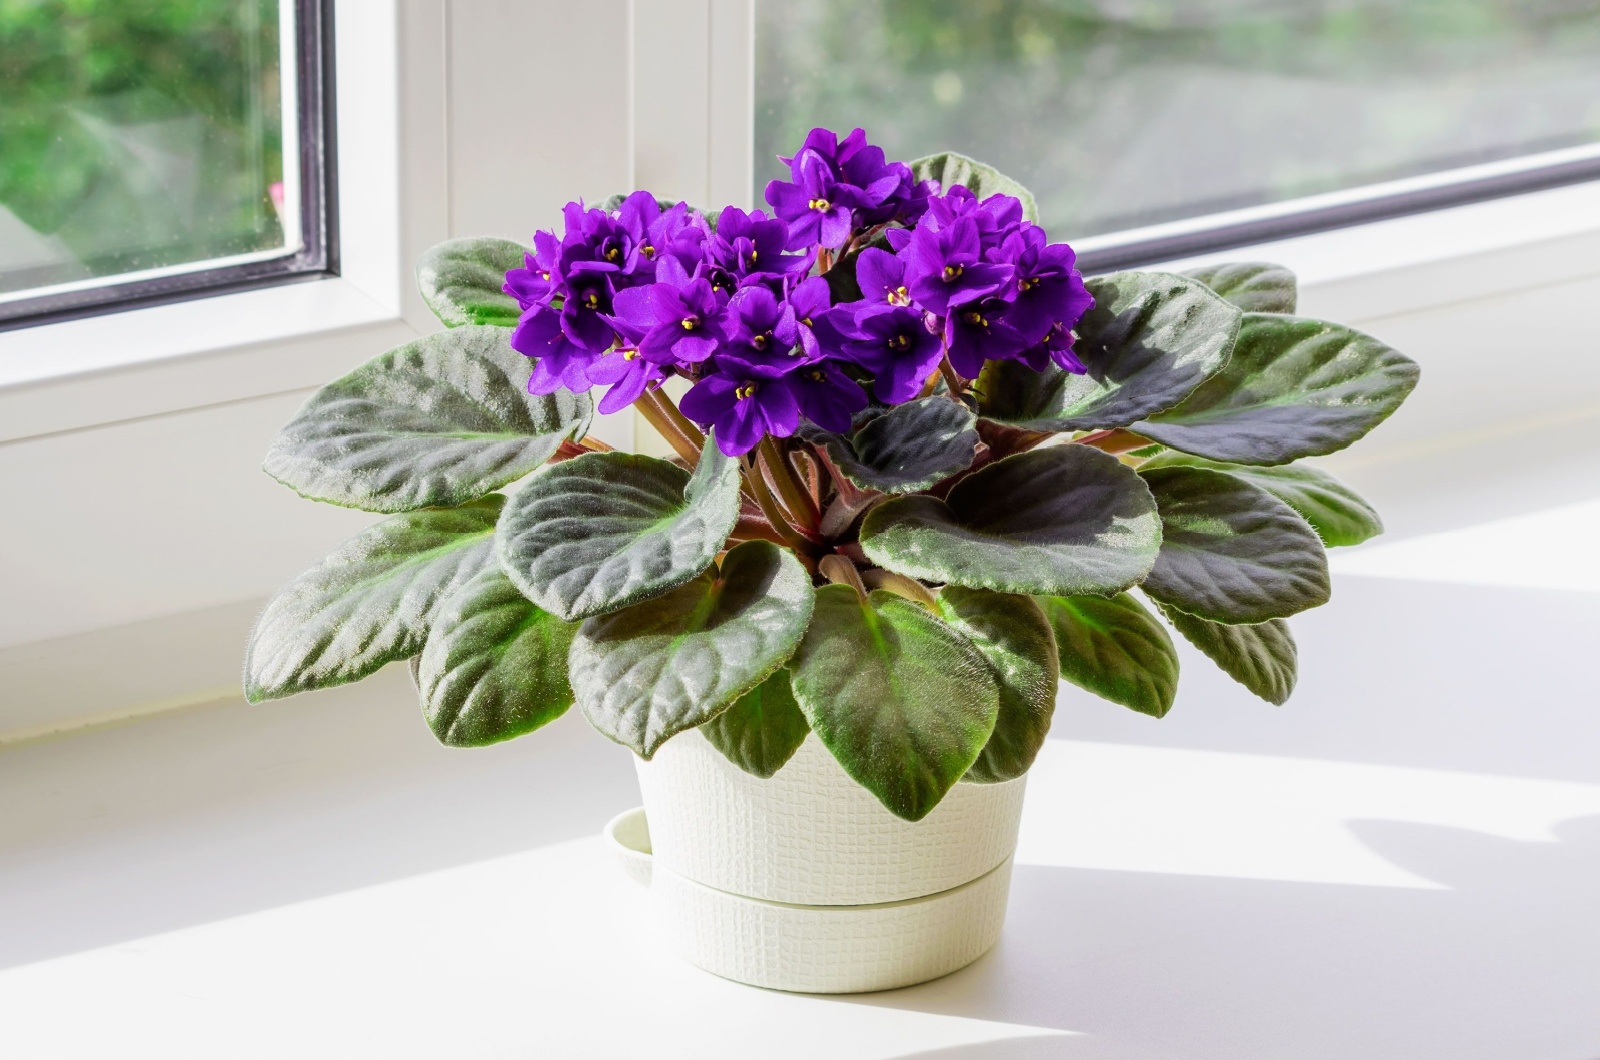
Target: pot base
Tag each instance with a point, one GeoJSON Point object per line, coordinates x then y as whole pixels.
{"type": "Point", "coordinates": [815, 949]}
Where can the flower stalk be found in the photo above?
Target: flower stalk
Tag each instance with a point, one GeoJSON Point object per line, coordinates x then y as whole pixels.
{"type": "Point", "coordinates": [685, 439]}
{"type": "Point", "coordinates": [796, 500]}
{"type": "Point", "coordinates": [1115, 441]}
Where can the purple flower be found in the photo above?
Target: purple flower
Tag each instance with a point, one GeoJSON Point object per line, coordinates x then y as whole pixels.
{"type": "Point", "coordinates": [762, 334]}
{"type": "Point", "coordinates": [945, 269]}
{"type": "Point", "coordinates": [679, 234]}
{"type": "Point", "coordinates": [837, 186]}
{"type": "Point", "coordinates": [1055, 348]}
{"type": "Point", "coordinates": [895, 345]}
{"type": "Point", "coordinates": [995, 217]}
{"type": "Point", "coordinates": [741, 410]}
{"type": "Point", "coordinates": [1049, 290]}
{"type": "Point", "coordinates": [750, 246]}
{"type": "Point", "coordinates": [817, 208]}
{"type": "Point", "coordinates": [626, 373]}
{"type": "Point", "coordinates": [976, 332]}
{"type": "Point", "coordinates": [826, 395]}
{"type": "Point", "coordinates": [678, 320]}
{"type": "Point", "coordinates": [587, 306]}
{"type": "Point", "coordinates": [559, 362]}
{"type": "Point", "coordinates": [819, 334]}
{"type": "Point", "coordinates": [882, 278]}
{"type": "Point", "coordinates": [541, 277]}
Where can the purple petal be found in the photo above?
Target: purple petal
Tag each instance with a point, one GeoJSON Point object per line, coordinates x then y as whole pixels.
{"type": "Point", "coordinates": [879, 273]}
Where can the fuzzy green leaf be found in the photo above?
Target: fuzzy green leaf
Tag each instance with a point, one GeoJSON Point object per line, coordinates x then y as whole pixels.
{"type": "Point", "coordinates": [908, 448]}
{"type": "Point", "coordinates": [462, 281]}
{"type": "Point", "coordinates": [644, 674]}
{"type": "Point", "coordinates": [1062, 520]}
{"type": "Point", "coordinates": [495, 666]}
{"type": "Point", "coordinates": [1232, 552]}
{"type": "Point", "coordinates": [606, 530]}
{"type": "Point", "coordinates": [1253, 286]}
{"type": "Point", "coordinates": [434, 423]}
{"type": "Point", "coordinates": [370, 602]}
{"type": "Point", "coordinates": [762, 730]}
{"type": "Point", "coordinates": [1261, 657]}
{"type": "Point", "coordinates": [1335, 511]}
{"type": "Point", "coordinates": [901, 700]}
{"type": "Point", "coordinates": [1151, 338]}
{"type": "Point", "coordinates": [1013, 633]}
{"type": "Point", "coordinates": [1113, 647]}
{"type": "Point", "coordinates": [950, 169]}
{"type": "Point", "coordinates": [1294, 388]}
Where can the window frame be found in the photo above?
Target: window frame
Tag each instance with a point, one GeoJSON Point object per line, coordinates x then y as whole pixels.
{"type": "Point", "coordinates": [316, 130]}
{"type": "Point", "coordinates": [1208, 234]}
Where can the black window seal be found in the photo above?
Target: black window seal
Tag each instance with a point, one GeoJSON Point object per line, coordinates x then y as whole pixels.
{"type": "Point", "coordinates": [318, 257]}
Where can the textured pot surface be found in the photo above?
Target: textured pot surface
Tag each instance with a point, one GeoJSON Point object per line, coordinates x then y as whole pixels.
{"type": "Point", "coordinates": [831, 949]}
{"type": "Point", "coordinates": [810, 835]}
{"type": "Point", "coordinates": [815, 949]}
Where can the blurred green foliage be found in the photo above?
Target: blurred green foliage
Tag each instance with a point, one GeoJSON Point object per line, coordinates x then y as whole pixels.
{"type": "Point", "coordinates": [139, 133]}
{"type": "Point", "coordinates": [1125, 112]}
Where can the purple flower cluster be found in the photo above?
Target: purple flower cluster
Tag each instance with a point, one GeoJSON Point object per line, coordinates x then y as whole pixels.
{"type": "Point", "coordinates": [626, 298]}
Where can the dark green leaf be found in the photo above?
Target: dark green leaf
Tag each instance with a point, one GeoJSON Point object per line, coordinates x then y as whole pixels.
{"type": "Point", "coordinates": [1254, 286]}
{"type": "Point", "coordinates": [950, 169]}
{"type": "Point", "coordinates": [495, 666]}
{"type": "Point", "coordinates": [908, 448]}
{"type": "Point", "coordinates": [646, 673]}
{"type": "Point", "coordinates": [462, 281]}
{"type": "Point", "coordinates": [1113, 647]}
{"type": "Point", "coordinates": [1013, 633]}
{"type": "Point", "coordinates": [1261, 657]}
{"type": "Point", "coordinates": [369, 603]}
{"type": "Point", "coordinates": [1062, 520]}
{"type": "Point", "coordinates": [1151, 338]}
{"type": "Point", "coordinates": [606, 530]}
{"type": "Point", "coordinates": [762, 730]}
{"type": "Point", "coordinates": [435, 423]}
{"type": "Point", "coordinates": [1230, 551]}
{"type": "Point", "coordinates": [904, 702]}
{"type": "Point", "coordinates": [1334, 510]}
{"type": "Point", "coordinates": [1294, 388]}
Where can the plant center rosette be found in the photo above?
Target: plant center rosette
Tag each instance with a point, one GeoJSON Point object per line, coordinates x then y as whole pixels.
{"type": "Point", "coordinates": [925, 470]}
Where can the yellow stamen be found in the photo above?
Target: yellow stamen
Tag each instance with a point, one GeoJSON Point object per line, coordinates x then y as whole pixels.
{"type": "Point", "coordinates": [648, 251]}
{"type": "Point", "coordinates": [690, 323]}
{"type": "Point", "coordinates": [613, 254]}
{"type": "Point", "coordinates": [819, 204]}
{"type": "Point", "coordinates": [1027, 284]}
{"type": "Point", "coordinates": [975, 317]}
{"type": "Point", "coordinates": [759, 342]}
{"type": "Point", "coordinates": [818, 375]}
{"type": "Point", "coordinates": [592, 300]}
{"type": "Point", "coordinates": [628, 355]}
{"type": "Point", "coordinates": [951, 272]}
{"type": "Point", "coordinates": [900, 296]}
{"type": "Point", "coordinates": [900, 342]}
{"type": "Point", "coordinates": [745, 391]}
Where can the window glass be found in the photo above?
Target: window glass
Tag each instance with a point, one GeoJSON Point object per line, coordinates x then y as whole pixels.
{"type": "Point", "coordinates": [142, 135]}
{"type": "Point", "coordinates": [1124, 113]}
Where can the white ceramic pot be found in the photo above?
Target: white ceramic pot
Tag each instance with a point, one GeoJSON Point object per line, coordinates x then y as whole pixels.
{"type": "Point", "coordinates": [804, 881]}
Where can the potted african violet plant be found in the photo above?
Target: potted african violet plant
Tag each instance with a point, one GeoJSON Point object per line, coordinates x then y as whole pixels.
{"type": "Point", "coordinates": [922, 467]}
